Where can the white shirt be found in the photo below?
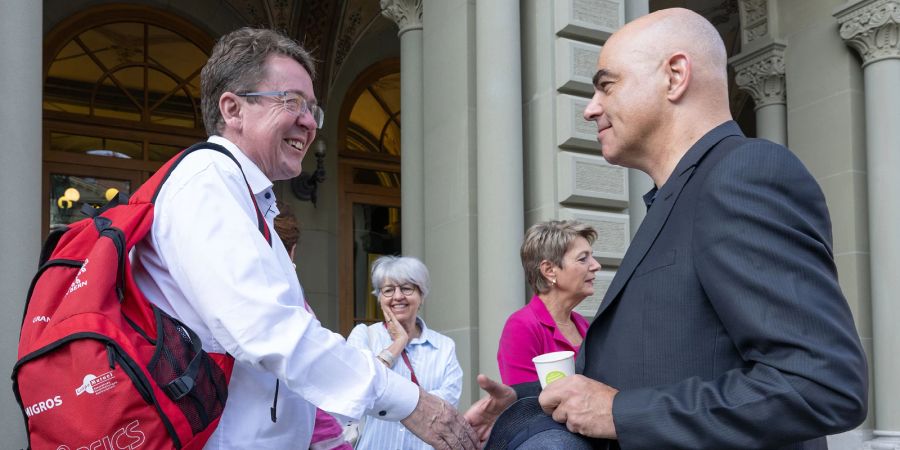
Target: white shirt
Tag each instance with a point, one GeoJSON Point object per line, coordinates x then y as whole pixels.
{"type": "Point", "coordinates": [433, 358]}
{"type": "Point", "coordinates": [206, 263]}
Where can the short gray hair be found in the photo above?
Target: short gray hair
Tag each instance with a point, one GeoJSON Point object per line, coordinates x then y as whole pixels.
{"type": "Point", "coordinates": [549, 241]}
{"type": "Point", "coordinates": [238, 64]}
{"type": "Point", "coordinates": [402, 270]}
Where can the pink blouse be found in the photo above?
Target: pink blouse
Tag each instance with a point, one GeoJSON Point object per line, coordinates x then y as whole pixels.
{"type": "Point", "coordinates": [327, 433]}
{"type": "Point", "coordinates": [529, 332]}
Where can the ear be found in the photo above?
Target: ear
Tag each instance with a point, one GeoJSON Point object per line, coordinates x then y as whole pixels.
{"type": "Point", "coordinates": [678, 70]}
{"type": "Point", "coordinates": [548, 270]}
{"type": "Point", "coordinates": [230, 107]}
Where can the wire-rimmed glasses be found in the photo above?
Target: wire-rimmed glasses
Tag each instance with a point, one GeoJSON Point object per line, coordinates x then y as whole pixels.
{"type": "Point", "coordinates": [293, 103]}
{"type": "Point", "coordinates": [406, 289]}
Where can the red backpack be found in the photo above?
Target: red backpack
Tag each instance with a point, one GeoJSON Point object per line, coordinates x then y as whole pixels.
{"type": "Point", "coordinates": [99, 366]}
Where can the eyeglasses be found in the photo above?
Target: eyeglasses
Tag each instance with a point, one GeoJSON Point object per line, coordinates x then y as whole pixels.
{"type": "Point", "coordinates": [293, 103]}
{"type": "Point", "coordinates": [406, 289]}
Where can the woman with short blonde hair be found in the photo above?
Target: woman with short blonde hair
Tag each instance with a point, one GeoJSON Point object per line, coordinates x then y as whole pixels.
{"type": "Point", "coordinates": [557, 257]}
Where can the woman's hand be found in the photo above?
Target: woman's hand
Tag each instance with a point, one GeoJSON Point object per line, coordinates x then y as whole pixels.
{"type": "Point", "coordinates": [398, 334]}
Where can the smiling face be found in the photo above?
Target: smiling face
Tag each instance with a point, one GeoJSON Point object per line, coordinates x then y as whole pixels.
{"type": "Point", "coordinates": [626, 105]}
{"type": "Point", "coordinates": [404, 306]}
{"type": "Point", "coordinates": [575, 279]}
{"type": "Point", "coordinates": [273, 138]}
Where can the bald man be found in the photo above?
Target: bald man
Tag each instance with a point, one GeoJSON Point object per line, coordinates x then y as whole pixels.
{"type": "Point", "coordinates": [724, 327]}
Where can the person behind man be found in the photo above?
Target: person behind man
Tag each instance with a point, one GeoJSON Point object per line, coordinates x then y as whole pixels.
{"type": "Point", "coordinates": [328, 434]}
{"type": "Point", "coordinates": [559, 266]}
{"type": "Point", "coordinates": [205, 263]}
{"type": "Point", "coordinates": [725, 326]}
{"type": "Point", "coordinates": [404, 344]}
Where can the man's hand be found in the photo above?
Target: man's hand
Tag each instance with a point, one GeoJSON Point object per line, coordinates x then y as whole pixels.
{"type": "Point", "coordinates": [440, 425]}
{"type": "Point", "coordinates": [484, 412]}
{"type": "Point", "coordinates": [583, 404]}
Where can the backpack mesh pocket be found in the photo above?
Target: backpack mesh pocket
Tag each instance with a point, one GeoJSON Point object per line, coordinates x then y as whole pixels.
{"type": "Point", "coordinates": [203, 396]}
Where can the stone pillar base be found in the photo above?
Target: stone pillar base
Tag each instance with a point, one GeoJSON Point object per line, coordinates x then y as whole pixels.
{"type": "Point", "coordinates": [884, 440]}
{"type": "Point", "coordinates": [850, 440]}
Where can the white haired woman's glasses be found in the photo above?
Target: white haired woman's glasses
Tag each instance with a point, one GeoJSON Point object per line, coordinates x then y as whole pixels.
{"type": "Point", "coordinates": [406, 289]}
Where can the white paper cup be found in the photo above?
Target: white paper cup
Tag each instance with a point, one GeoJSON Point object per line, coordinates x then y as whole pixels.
{"type": "Point", "coordinates": [553, 366]}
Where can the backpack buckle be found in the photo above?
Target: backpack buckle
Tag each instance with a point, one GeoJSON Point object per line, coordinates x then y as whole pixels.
{"type": "Point", "coordinates": [179, 387]}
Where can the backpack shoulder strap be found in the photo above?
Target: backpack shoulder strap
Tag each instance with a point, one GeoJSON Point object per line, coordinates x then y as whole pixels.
{"type": "Point", "coordinates": [155, 182]}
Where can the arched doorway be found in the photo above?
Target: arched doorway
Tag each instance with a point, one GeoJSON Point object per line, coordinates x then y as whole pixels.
{"type": "Point", "coordinates": [369, 186]}
{"type": "Point", "coordinates": [121, 96]}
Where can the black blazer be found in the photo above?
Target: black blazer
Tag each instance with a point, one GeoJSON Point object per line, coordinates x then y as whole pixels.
{"type": "Point", "coordinates": [725, 326]}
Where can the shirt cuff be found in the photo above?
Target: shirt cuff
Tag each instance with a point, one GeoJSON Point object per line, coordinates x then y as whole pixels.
{"type": "Point", "coordinates": [397, 401]}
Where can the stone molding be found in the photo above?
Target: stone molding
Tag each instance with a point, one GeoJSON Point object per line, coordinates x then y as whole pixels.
{"type": "Point", "coordinates": [884, 440]}
{"type": "Point", "coordinates": [588, 180]}
{"type": "Point", "coordinates": [613, 232]}
{"type": "Point", "coordinates": [761, 74]}
{"type": "Point", "coordinates": [754, 19]}
{"type": "Point", "coordinates": [407, 14]}
{"type": "Point", "coordinates": [872, 28]}
{"type": "Point", "coordinates": [592, 21]}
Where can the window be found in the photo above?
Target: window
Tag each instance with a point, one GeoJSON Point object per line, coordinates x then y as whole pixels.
{"type": "Point", "coordinates": [121, 97]}
{"type": "Point", "coordinates": [374, 125]}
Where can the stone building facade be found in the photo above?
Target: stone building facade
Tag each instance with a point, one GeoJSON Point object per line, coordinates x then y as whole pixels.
{"type": "Point", "coordinates": [492, 140]}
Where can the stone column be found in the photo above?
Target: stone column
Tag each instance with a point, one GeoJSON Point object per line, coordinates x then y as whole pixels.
{"type": "Point", "coordinates": [872, 28]}
{"type": "Point", "coordinates": [20, 185]}
{"type": "Point", "coordinates": [500, 224]}
{"type": "Point", "coordinates": [760, 72]}
{"type": "Point", "coordinates": [408, 16]}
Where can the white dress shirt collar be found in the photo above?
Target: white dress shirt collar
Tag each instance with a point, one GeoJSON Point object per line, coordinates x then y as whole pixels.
{"type": "Point", "coordinates": [426, 336]}
{"type": "Point", "coordinates": [259, 183]}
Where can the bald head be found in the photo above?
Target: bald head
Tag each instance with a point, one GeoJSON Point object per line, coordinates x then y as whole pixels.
{"type": "Point", "coordinates": [653, 38]}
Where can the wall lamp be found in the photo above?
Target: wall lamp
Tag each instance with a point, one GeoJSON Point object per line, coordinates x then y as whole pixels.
{"type": "Point", "coordinates": [306, 185]}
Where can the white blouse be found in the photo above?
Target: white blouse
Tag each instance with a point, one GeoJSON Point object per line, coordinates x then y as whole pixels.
{"type": "Point", "coordinates": [433, 358]}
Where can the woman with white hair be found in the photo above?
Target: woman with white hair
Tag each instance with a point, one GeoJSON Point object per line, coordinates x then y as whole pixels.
{"type": "Point", "coordinates": [404, 344]}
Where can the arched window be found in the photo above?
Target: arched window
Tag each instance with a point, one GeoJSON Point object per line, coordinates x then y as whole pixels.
{"type": "Point", "coordinates": [374, 124]}
{"type": "Point", "coordinates": [372, 130]}
{"type": "Point", "coordinates": [121, 96]}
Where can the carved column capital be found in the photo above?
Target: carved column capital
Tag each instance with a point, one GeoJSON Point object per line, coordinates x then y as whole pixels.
{"type": "Point", "coordinates": [872, 28]}
{"type": "Point", "coordinates": [761, 74]}
{"type": "Point", "coordinates": [407, 14]}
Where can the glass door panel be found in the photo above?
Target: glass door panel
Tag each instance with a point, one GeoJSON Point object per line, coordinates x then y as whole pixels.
{"type": "Point", "coordinates": [162, 152]}
{"type": "Point", "coordinates": [68, 187]}
{"type": "Point", "coordinates": [376, 232]}
{"type": "Point", "coordinates": [68, 193]}
{"type": "Point", "coordinates": [95, 145]}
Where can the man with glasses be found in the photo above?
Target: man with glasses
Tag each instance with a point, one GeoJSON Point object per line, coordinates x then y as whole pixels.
{"type": "Point", "coordinates": [206, 263]}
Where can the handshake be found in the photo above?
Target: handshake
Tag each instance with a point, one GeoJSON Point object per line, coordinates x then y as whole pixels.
{"type": "Point", "coordinates": [443, 427]}
{"type": "Point", "coordinates": [582, 404]}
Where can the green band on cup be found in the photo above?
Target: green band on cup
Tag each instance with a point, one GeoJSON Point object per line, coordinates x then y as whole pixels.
{"type": "Point", "coordinates": [553, 376]}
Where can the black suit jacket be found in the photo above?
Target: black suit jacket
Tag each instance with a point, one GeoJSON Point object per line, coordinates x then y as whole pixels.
{"type": "Point", "coordinates": [725, 326]}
